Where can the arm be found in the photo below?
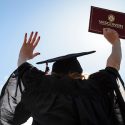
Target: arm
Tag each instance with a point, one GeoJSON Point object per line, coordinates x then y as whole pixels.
{"type": "Point", "coordinates": [114, 61]}
{"type": "Point", "coordinates": [115, 57]}
{"type": "Point", "coordinates": [26, 52]}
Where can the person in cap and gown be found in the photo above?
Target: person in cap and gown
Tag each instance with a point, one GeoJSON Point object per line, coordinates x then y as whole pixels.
{"type": "Point", "coordinates": [64, 97]}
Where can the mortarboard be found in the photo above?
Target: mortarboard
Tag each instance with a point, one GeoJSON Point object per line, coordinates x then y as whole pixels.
{"type": "Point", "coordinates": [67, 63]}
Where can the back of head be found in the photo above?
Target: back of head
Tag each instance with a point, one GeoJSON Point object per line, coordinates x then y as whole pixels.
{"type": "Point", "coordinates": [67, 66]}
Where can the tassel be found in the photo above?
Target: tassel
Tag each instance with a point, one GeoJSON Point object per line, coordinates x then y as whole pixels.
{"type": "Point", "coordinates": [47, 69]}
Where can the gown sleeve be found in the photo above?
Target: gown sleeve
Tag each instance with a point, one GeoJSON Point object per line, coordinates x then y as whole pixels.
{"type": "Point", "coordinates": [12, 110]}
{"type": "Point", "coordinates": [107, 80]}
{"type": "Point", "coordinates": [30, 76]}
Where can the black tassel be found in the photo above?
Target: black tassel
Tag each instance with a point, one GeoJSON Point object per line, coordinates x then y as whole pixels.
{"type": "Point", "coordinates": [47, 69]}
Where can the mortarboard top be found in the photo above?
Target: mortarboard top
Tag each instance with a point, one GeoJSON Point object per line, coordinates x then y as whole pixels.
{"type": "Point", "coordinates": [69, 56]}
{"type": "Point", "coordinates": [66, 64]}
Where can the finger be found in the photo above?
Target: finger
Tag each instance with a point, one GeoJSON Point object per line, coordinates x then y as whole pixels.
{"type": "Point", "coordinates": [34, 38]}
{"type": "Point", "coordinates": [108, 31]}
{"type": "Point", "coordinates": [37, 41]}
{"type": "Point", "coordinates": [35, 54]}
{"type": "Point", "coordinates": [30, 38]}
{"type": "Point", "coordinates": [114, 31]}
{"type": "Point", "coordinates": [116, 34]}
{"type": "Point", "coordinates": [25, 38]}
{"type": "Point", "coordinates": [105, 30]}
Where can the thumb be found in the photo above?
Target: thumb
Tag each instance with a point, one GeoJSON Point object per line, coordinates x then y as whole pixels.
{"type": "Point", "coordinates": [35, 54]}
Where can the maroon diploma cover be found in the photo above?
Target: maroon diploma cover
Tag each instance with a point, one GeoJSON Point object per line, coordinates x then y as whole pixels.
{"type": "Point", "coordinates": [102, 18]}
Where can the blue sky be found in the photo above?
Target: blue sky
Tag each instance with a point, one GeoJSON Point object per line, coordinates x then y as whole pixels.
{"type": "Point", "coordinates": [63, 27]}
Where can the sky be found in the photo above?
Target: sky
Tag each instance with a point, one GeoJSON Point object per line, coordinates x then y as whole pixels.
{"type": "Point", "coordinates": [63, 27]}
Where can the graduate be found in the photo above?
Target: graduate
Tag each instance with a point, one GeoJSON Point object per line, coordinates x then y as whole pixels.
{"type": "Point", "coordinates": [65, 97]}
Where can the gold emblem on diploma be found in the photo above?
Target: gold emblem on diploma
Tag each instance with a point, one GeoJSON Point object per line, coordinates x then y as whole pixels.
{"type": "Point", "coordinates": [111, 18]}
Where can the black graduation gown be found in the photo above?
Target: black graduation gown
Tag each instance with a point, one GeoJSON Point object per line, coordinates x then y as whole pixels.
{"type": "Point", "coordinates": [53, 100]}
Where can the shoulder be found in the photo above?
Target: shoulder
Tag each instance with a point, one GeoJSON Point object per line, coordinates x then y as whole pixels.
{"type": "Point", "coordinates": [27, 68]}
{"type": "Point", "coordinates": [29, 75]}
{"type": "Point", "coordinates": [108, 72]}
{"type": "Point", "coordinates": [106, 76]}
{"type": "Point", "coordinates": [105, 79]}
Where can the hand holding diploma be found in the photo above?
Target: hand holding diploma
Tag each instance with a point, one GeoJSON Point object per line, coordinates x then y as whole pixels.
{"type": "Point", "coordinates": [114, 60]}
{"type": "Point", "coordinates": [111, 35]}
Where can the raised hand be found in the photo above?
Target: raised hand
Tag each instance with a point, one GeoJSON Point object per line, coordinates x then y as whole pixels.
{"type": "Point", "coordinates": [111, 35]}
{"type": "Point", "coordinates": [114, 60]}
{"type": "Point", "coordinates": [27, 49]}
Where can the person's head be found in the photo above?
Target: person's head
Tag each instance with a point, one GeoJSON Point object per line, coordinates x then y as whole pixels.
{"type": "Point", "coordinates": [67, 65]}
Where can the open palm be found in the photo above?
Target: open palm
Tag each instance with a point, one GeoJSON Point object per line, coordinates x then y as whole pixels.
{"type": "Point", "coordinates": [27, 49]}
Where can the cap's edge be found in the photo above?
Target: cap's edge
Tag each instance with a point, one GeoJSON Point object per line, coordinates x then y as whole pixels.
{"type": "Point", "coordinates": [48, 61]}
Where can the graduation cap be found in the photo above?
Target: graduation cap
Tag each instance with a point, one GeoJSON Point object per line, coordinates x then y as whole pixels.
{"type": "Point", "coordinates": [67, 63]}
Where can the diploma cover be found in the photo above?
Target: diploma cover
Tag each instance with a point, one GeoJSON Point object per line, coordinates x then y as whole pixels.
{"type": "Point", "coordinates": [103, 18]}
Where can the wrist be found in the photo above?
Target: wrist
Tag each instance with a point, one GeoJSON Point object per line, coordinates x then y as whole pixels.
{"type": "Point", "coordinates": [21, 61]}
{"type": "Point", "coordinates": [116, 42]}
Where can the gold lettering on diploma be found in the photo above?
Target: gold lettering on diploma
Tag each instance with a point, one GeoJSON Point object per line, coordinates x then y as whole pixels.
{"type": "Point", "coordinates": [111, 19]}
